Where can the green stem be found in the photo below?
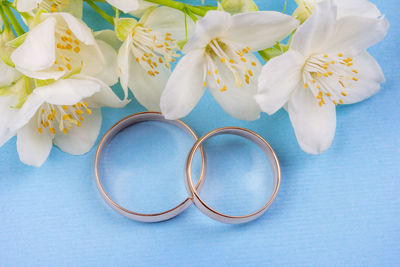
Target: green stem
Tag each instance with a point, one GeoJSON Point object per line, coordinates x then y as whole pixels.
{"type": "Point", "coordinates": [196, 10]}
{"type": "Point", "coordinates": [284, 7]}
{"type": "Point", "coordinates": [3, 16]}
{"type": "Point", "coordinates": [190, 14]}
{"type": "Point", "coordinates": [100, 11]}
{"type": "Point", "coordinates": [13, 20]}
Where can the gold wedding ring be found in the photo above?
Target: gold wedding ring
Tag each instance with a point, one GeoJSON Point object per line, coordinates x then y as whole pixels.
{"type": "Point", "coordinates": [118, 127]}
{"type": "Point", "coordinates": [194, 193]}
{"type": "Point", "coordinates": [193, 190]}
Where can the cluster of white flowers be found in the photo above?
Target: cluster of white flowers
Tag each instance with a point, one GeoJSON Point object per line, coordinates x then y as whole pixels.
{"type": "Point", "coordinates": [55, 78]}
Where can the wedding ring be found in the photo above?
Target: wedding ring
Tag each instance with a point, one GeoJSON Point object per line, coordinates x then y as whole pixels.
{"type": "Point", "coordinates": [118, 127]}
{"type": "Point", "coordinates": [194, 193]}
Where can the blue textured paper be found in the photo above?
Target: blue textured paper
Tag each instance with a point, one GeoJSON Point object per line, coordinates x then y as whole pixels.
{"type": "Point", "coordinates": [341, 208]}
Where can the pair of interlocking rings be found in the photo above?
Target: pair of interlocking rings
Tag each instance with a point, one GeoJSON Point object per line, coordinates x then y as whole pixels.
{"type": "Point", "coordinates": [193, 190]}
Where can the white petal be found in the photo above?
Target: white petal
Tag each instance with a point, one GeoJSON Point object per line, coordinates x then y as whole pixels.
{"type": "Point", "coordinates": [169, 20]}
{"type": "Point", "coordinates": [27, 5]}
{"type": "Point", "coordinates": [125, 6]}
{"type": "Point", "coordinates": [123, 64]}
{"type": "Point", "coordinates": [67, 91]}
{"type": "Point", "coordinates": [185, 86]}
{"type": "Point", "coordinates": [369, 79]}
{"type": "Point", "coordinates": [314, 126]}
{"type": "Point", "coordinates": [278, 79]}
{"type": "Point", "coordinates": [147, 89]}
{"type": "Point", "coordinates": [79, 140]}
{"type": "Point", "coordinates": [26, 112]}
{"type": "Point", "coordinates": [38, 50]}
{"type": "Point", "coordinates": [313, 34]}
{"type": "Point", "coordinates": [105, 97]}
{"type": "Point", "coordinates": [7, 74]}
{"type": "Point", "coordinates": [109, 75]}
{"type": "Point", "coordinates": [143, 7]}
{"type": "Point", "coordinates": [239, 102]}
{"type": "Point", "coordinates": [109, 37]}
{"type": "Point", "coordinates": [355, 34]}
{"type": "Point", "coordinates": [8, 113]}
{"type": "Point", "coordinates": [357, 8]}
{"type": "Point", "coordinates": [214, 24]}
{"type": "Point", "coordinates": [75, 7]}
{"type": "Point", "coordinates": [33, 148]}
{"type": "Point", "coordinates": [82, 32]}
{"type": "Point", "coordinates": [261, 29]}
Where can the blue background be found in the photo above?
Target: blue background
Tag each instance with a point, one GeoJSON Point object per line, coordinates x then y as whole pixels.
{"type": "Point", "coordinates": [339, 208]}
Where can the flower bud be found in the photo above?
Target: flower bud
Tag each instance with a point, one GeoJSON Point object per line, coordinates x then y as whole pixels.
{"type": "Point", "coordinates": [238, 6]}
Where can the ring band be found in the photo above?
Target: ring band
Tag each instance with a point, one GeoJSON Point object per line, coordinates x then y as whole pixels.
{"type": "Point", "coordinates": [118, 127]}
{"type": "Point", "coordinates": [193, 192]}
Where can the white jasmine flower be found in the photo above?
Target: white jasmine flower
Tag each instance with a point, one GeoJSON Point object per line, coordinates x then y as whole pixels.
{"type": "Point", "coordinates": [344, 8]}
{"type": "Point", "coordinates": [149, 47]}
{"type": "Point", "coordinates": [326, 65]}
{"type": "Point", "coordinates": [219, 54]}
{"type": "Point", "coordinates": [66, 112]}
{"type": "Point", "coordinates": [59, 45]}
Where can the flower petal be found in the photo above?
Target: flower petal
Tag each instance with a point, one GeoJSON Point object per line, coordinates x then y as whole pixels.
{"type": "Point", "coordinates": [369, 79]}
{"type": "Point", "coordinates": [169, 20]}
{"type": "Point", "coordinates": [27, 5]}
{"type": "Point", "coordinates": [105, 97]}
{"type": "Point", "coordinates": [357, 8]}
{"type": "Point", "coordinates": [26, 112]}
{"type": "Point", "coordinates": [79, 140]}
{"type": "Point", "coordinates": [185, 86]}
{"type": "Point", "coordinates": [143, 7]}
{"type": "Point", "coordinates": [8, 113]}
{"type": "Point", "coordinates": [109, 37]}
{"type": "Point", "coordinates": [38, 50]}
{"type": "Point", "coordinates": [67, 91]}
{"type": "Point", "coordinates": [313, 34]}
{"type": "Point", "coordinates": [261, 29]}
{"type": "Point", "coordinates": [123, 64]}
{"type": "Point", "coordinates": [214, 24]}
{"type": "Point", "coordinates": [314, 126]}
{"type": "Point", "coordinates": [354, 34]}
{"type": "Point", "coordinates": [239, 102]}
{"type": "Point", "coordinates": [82, 32]}
{"type": "Point", "coordinates": [8, 74]}
{"type": "Point", "coordinates": [125, 6]}
{"type": "Point", "coordinates": [278, 79]}
{"type": "Point", "coordinates": [33, 148]}
{"type": "Point", "coordinates": [109, 75]}
{"type": "Point", "coordinates": [147, 89]}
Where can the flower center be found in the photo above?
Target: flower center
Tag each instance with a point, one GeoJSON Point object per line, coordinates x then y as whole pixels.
{"type": "Point", "coordinates": [54, 5]}
{"type": "Point", "coordinates": [232, 57]}
{"type": "Point", "coordinates": [68, 47]}
{"type": "Point", "coordinates": [65, 117]}
{"type": "Point", "coordinates": [330, 77]}
{"type": "Point", "coordinates": [152, 48]}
